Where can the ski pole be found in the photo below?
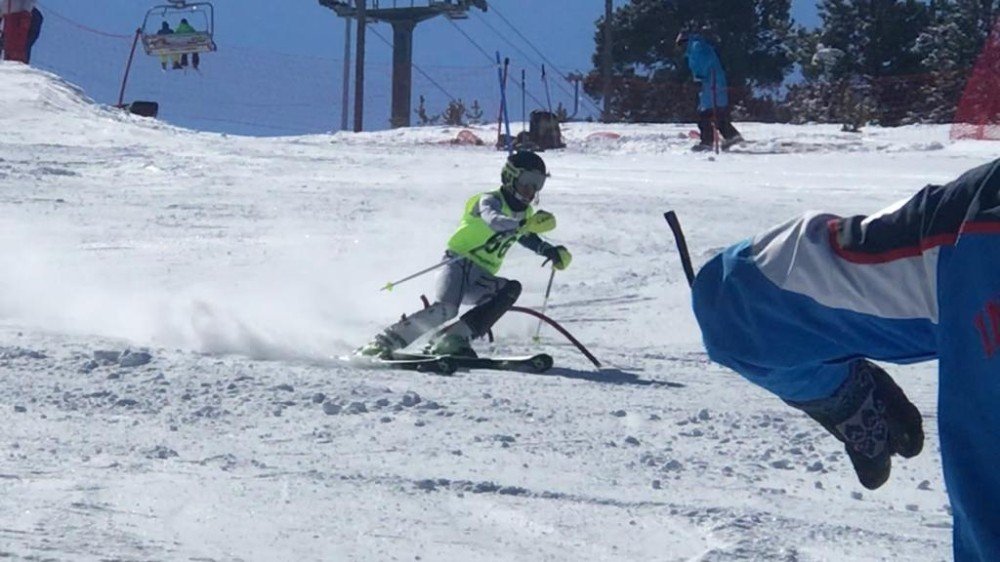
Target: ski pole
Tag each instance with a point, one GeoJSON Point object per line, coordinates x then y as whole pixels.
{"type": "Point", "coordinates": [392, 284]}
{"type": "Point", "coordinates": [715, 117]}
{"type": "Point", "coordinates": [545, 304]}
{"type": "Point", "coordinates": [682, 248]}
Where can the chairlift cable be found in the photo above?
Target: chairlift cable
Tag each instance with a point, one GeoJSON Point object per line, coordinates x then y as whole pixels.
{"type": "Point", "coordinates": [530, 58]}
{"type": "Point", "coordinates": [481, 49]}
{"type": "Point", "coordinates": [49, 10]}
{"type": "Point", "coordinates": [414, 65]}
{"type": "Point", "coordinates": [526, 40]}
{"type": "Point", "coordinates": [487, 55]}
{"type": "Point", "coordinates": [514, 45]}
{"type": "Point", "coordinates": [544, 58]}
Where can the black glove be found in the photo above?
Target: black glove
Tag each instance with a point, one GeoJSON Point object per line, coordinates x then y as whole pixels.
{"type": "Point", "coordinates": [559, 256]}
{"type": "Point", "coordinates": [874, 420]}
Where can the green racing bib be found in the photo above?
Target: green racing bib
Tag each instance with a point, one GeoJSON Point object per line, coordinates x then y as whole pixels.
{"type": "Point", "coordinates": [475, 240]}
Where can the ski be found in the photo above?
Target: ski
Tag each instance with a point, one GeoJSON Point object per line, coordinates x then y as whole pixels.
{"type": "Point", "coordinates": [526, 364]}
{"type": "Point", "coordinates": [432, 364]}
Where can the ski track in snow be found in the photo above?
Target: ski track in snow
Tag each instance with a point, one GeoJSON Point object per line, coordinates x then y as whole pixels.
{"type": "Point", "coordinates": [235, 270]}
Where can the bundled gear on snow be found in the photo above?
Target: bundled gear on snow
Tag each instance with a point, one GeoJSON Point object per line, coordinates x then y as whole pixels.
{"type": "Point", "coordinates": [544, 131]}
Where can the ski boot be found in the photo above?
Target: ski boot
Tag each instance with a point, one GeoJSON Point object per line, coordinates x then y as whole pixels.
{"type": "Point", "coordinates": [451, 344]}
{"type": "Point", "coordinates": [701, 147]}
{"type": "Point", "coordinates": [726, 144]}
{"type": "Point", "coordinates": [380, 347]}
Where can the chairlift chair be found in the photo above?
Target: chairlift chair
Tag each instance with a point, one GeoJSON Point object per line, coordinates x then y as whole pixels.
{"type": "Point", "coordinates": [201, 16]}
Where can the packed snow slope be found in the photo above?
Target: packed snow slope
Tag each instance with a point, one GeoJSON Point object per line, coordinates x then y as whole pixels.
{"type": "Point", "coordinates": [173, 305]}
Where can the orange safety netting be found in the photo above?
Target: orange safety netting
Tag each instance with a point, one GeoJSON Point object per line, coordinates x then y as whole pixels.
{"type": "Point", "coordinates": [978, 113]}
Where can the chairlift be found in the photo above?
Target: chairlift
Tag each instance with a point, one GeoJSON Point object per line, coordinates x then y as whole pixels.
{"type": "Point", "coordinates": [200, 15]}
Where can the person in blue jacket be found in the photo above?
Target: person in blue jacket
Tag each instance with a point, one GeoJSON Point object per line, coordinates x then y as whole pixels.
{"type": "Point", "coordinates": [804, 309]}
{"type": "Point", "coordinates": [713, 100]}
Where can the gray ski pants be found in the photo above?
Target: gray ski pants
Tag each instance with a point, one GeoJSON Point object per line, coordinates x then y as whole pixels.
{"type": "Point", "coordinates": [460, 282]}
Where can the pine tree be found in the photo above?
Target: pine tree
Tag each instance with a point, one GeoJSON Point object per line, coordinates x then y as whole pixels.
{"type": "Point", "coordinates": [454, 114]}
{"type": "Point", "coordinates": [421, 112]}
{"type": "Point", "coordinates": [880, 66]}
{"type": "Point", "coordinates": [562, 114]}
{"type": "Point", "coordinates": [947, 49]}
{"type": "Point", "coordinates": [475, 113]}
{"type": "Point", "coordinates": [649, 85]}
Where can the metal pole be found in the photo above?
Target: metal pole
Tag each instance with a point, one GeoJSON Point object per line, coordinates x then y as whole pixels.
{"type": "Point", "coordinates": [524, 92]}
{"type": "Point", "coordinates": [391, 284]}
{"type": "Point", "coordinates": [715, 117]}
{"type": "Point", "coordinates": [575, 77]}
{"type": "Point", "coordinates": [504, 114]}
{"type": "Point", "coordinates": [545, 82]}
{"type": "Point", "coordinates": [128, 67]}
{"type": "Point", "coordinates": [402, 71]}
{"type": "Point", "coordinates": [345, 98]}
{"type": "Point", "coordinates": [502, 79]}
{"type": "Point", "coordinates": [606, 62]}
{"type": "Point", "coordinates": [545, 303]}
{"type": "Point", "coordinates": [359, 70]}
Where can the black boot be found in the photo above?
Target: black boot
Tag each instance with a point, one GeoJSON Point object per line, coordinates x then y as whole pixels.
{"type": "Point", "coordinates": [482, 317]}
{"type": "Point", "coordinates": [454, 340]}
{"type": "Point", "coordinates": [871, 415]}
{"type": "Point", "coordinates": [706, 130]}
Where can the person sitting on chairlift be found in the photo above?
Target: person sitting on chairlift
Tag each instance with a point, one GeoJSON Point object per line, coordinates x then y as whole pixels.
{"type": "Point", "coordinates": [185, 27]}
{"type": "Point", "coordinates": [165, 30]}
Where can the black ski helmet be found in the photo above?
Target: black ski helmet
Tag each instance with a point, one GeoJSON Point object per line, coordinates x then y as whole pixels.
{"type": "Point", "coordinates": [524, 165]}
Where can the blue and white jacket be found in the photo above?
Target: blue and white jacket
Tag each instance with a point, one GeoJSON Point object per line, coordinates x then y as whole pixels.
{"type": "Point", "coordinates": [792, 308]}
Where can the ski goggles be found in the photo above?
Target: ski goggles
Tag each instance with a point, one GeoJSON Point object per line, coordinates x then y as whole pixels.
{"type": "Point", "coordinates": [527, 183]}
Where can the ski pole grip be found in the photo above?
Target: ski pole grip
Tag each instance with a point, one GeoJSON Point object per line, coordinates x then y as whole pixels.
{"type": "Point", "coordinates": [682, 249]}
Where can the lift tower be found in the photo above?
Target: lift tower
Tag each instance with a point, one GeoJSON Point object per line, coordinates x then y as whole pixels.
{"type": "Point", "coordinates": [403, 16]}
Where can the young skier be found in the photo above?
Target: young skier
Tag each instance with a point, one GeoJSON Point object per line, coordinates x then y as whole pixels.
{"type": "Point", "coordinates": [800, 310]}
{"type": "Point", "coordinates": [490, 224]}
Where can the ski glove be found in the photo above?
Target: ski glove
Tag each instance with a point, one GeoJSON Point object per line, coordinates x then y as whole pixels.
{"type": "Point", "coordinates": [874, 420]}
{"type": "Point", "coordinates": [559, 256]}
{"type": "Point", "coordinates": [542, 221]}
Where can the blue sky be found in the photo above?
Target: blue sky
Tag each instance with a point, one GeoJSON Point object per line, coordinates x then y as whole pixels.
{"type": "Point", "coordinates": [290, 59]}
